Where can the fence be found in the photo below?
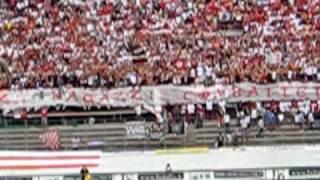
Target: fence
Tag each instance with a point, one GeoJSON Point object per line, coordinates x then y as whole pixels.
{"type": "Point", "coordinates": [123, 130]}
{"type": "Point", "coordinates": [105, 130]}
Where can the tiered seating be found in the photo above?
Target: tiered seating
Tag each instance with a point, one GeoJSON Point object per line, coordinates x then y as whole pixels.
{"type": "Point", "coordinates": [114, 137]}
{"type": "Point", "coordinates": [285, 134]}
{"type": "Point", "coordinates": [111, 44]}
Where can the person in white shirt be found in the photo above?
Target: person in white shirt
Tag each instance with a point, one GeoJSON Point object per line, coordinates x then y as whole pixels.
{"type": "Point", "coordinates": [244, 126]}
{"type": "Point", "coordinates": [209, 105]}
{"type": "Point", "coordinates": [281, 118]}
{"type": "Point", "coordinates": [75, 143]}
{"type": "Point", "coordinates": [191, 109]}
{"type": "Point", "coordinates": [299, 119]}
{"type": "Point", "coordinates": [261, 127]}
{"type": "Point", "coordinates": [310, 120]}
{"type": "Point", "coordinates": [200, 73]}
{"type": "Point", "coordinates": [309, 72]}
{"type": "Point", "coordinates": [92, 121]}
{"type": "Point", "coordinates": [282, 106]}
{"type": "Point", "coordinates": [254, 115]}
{"type": "Point", "coordinates": [306, 108]}
{"type": "Point", "coordinates": [247, 121]}
{"type": "Point", "coordinates": [226, 119]}
{"type": "Point", "coordinates": [290, 74]}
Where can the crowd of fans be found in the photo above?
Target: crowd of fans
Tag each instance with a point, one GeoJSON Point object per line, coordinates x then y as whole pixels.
{"type": "Point", "coordinates": [116, 43]}
{"type": "Point", "coordinates": [273, 113]}
{"type": "Point", "coordinates": [244, 120]}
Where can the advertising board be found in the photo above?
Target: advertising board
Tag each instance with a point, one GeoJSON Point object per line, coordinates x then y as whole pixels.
{"type": "Point", "coordinates": [239, 174]}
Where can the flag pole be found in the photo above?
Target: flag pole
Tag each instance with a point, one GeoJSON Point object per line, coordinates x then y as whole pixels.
{"type": "Point", "coordinates": [24, 118]}
{"type": "Point", "coordinates": [25, 132]}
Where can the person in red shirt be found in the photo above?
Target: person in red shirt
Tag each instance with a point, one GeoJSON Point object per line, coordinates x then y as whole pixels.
{"type": "Point", "coordinates": [105, 10]}
{"type": "Point", "coordinates": [44, 116]}
{"type": "Point", "coordinates": [275, 4]}
{"type": "Point", "coordinates": [301, 3]}
{"type": "Point", "coordinates": [314, 106]}
{"type": "Point", "coordinates": [212, 8]}
{"type": "Point", "coordinates": [12, 3]}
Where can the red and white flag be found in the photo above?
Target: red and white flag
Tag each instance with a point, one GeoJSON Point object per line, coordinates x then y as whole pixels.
{"type": "Point", "coordinates": [51, 139]}
{"type": "Point", "coordinates": [180, 64]}
{"type": "Point", "coordinates": [18, 162]}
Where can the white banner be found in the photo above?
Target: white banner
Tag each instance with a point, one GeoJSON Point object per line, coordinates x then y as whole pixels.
{"type": "Point", "coordinates": [47, 178]}
{"type": "Point", "coordinates": [136, 130]}
{"type": "Point", "coordinates": [152, 96]}
{"type": "Point", "coordinates": [201, 175]}
{"type": "Point", "coordinates": [130, 177]}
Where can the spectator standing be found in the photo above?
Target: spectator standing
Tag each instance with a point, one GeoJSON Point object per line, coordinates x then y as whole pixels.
{"type": "Point", "coordinates": [220, 140]}
{"type": "Point", "coordinates": [299, 119]}
{"type": "Point", "coordinates": [76, 143]}
{"type": "Point", "coordinates": [260, 126]}
{"type": "Point", "coordinates": [91, 121]}
{"type": "Point", "coordinates": [280, 118]}
{"type": "Point", "coordinates": [168, 169]}
{"type": "Point", "coordinates": [310, 120]}
{"type": "Point", "coordinates": [228, 138]}
{"type": "Point", "coordinates": [44, 117]}
{"type": "Point", "coordinates": [226, 120]}
{"type": "Point", "coordinates": [200, 111]}
{"type": "Point", "coordinates": [236, 135]}
{"type": "Point", "coordinates": [271, 119]}
{"type": "Point", "coordinates": [254, 115]}
{"type": "Point", "coordinates": [244, 126]}
{"type": "Point", "coordinates": [191, 109]}
{"type": "Point", "coordinates": [209, 108]}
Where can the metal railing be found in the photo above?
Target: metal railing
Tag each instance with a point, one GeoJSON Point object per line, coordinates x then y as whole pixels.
{"type": "Point", "coordinates": [109, 133]}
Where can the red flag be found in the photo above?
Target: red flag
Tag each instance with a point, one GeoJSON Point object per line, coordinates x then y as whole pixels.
{"type": "Point", "coordinates": [44, 112]}
{"type": "Point", "coordinates": [51, 139]}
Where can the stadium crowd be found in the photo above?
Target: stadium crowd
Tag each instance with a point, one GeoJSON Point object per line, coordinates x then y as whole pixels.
{"type": "Point", "coordinates": [247, 119]}
{"type": "Point", "coordinates": [116, 43]}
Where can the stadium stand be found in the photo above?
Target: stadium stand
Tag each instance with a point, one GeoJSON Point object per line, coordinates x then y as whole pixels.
{"type": "Point", "coordinates": [113, 137]}
{"type": "Point", "coordinates": [47, 44]}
